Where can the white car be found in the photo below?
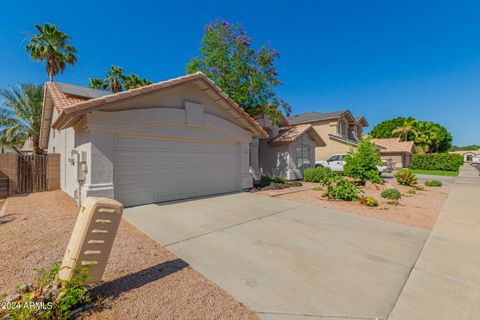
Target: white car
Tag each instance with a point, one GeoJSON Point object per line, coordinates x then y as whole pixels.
{"type": "Point", "coordinates": [476, 160]}
{"type": "Point", "coordinates": [337, 161]}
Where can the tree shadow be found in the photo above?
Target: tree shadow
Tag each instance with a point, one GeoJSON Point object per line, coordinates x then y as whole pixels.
{"type": "Point", "coordinates": [114, 288]}
{"type": "Point", "coordinates": [6, 218]}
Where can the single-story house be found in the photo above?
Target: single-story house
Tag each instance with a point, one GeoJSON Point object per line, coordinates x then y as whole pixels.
{"type": "Point", "coordinates": [339, 130]}
{"type": "Point", "coordinates": [171, 140]}
{"type": "Point", "coordinates": [287, 151]}
{"type": "Point", "coordinates": [400, 152]}
{"type": "Point", "coordinates": [467, 154]}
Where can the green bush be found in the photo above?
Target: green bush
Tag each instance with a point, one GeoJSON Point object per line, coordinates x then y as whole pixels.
{"type": "Point", "coordinates": [318, 174]}
{"type": "Point", "coordinates": [60, 298]}
{"type": "Point", "coordinates": [437, 161]}
{"type": "Point", "coordinates": [278, 179]}
{"type": "Point", "coordinates": [342, 189]}
{"type": "Point", "coordinates": [266, 181]}
{"type": "Point", "coordinates": [368, 201]}
{"type": "Point", "coordinates": [406, 178]}
{"type": "Point", "coordinates": [392, 194]}
{"type": "Point", "coordinates": [433, 183]}
{"type": "Point", "coordinates": [362, 163]}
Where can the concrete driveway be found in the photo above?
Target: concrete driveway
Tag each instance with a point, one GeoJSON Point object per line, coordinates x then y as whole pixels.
{"type": "Point", "coordinates": [285, 260]}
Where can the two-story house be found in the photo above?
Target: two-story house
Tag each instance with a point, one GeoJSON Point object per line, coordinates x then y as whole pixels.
{"type": "Point", "coordinates": [339, 130]}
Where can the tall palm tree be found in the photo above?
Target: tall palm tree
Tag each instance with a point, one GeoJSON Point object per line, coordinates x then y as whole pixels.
{"type": "Point", "coordinates": [51, 45]}
{"type": "Point", "coordinates": [113, 81]}
{"type": "Point", "coordinates": [408, 128]}
{"type": "Point", "coordinates": [96, 83]}
{"type": "Point", "coordinates": [132, 81]}
{"type": "Point", "coordinates": [20, 115]}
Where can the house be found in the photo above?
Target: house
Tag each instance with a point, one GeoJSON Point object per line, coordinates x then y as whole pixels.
{"type": "Point", "coordinates": [468, 155]}
{"type": "Point", "coordinates": [171, 140]}
{"type": "Point", "coordinates": [27, 147]}
{"type": "Point", "coordinates": [399, 152]}
{"type": "Point", "coordinates": [287, 151]}
{"type": "Point", "coordinates": [339, 130]}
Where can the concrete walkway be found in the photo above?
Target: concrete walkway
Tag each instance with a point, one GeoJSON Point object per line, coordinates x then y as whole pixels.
{"type": "Point", "coordinates": [285, 260]}
{"type": "Point", "coordinates": [445, 281]}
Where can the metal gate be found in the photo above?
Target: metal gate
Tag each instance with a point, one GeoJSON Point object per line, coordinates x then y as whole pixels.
{"type": "Point", "coordinates": [32, 173]}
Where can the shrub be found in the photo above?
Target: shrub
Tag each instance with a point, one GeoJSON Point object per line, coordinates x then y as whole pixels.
{"type": "Point", "coordinates": [362, 163]}
{"type": "Point", "coordinates": [433, 183]}
{"type": "Point", "coordinates": [368, 201]}
{"type": "Point", "coordinates": [437, 161]}
{"type": "Point", "coordinates": [419, 188]}
{"type": "Point", "coordinates": [406, 178]}
{"type": "Point", "coordinates": [62, 297]}
{"type": "Point", "coordinates": [412, 191]}
{"type": "Point", "coordinates": [392, 194]}
{"type": "Point", "coordinates": [343, 189]}
{"type": "Point", "coordinates": [266, 181]}
{"type": "Point", "coordinates": [317, 189]}
{"type": "Point", "coordinates": [278, 179]}
{"type": "Point", "coordinates": [318, 174]}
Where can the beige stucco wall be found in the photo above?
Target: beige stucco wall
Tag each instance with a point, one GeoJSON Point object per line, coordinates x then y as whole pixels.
{"type": "Point", "coordinates": [163, 115]}
{"type": "Point", "coordinates": [399, 160]}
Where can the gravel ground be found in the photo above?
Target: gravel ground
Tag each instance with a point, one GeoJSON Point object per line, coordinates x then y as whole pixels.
{"type": "Point", "coordinates": [143, 280]}
{"type": "Point", "coordinates": [418, 210]}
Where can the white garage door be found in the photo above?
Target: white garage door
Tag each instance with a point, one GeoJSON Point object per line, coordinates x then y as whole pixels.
{"type": "Point", "coordinates": [151, 170]}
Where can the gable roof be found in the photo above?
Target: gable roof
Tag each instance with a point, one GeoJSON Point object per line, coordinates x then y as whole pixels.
{"type": "Point", "coordinates": [313, 116]}
{"type": "Point", "coordinates": [392, 145]}
{"type": "Point", "coordinates": [290, 134]}
{"type": "Point", "coordinates": [72, 102]}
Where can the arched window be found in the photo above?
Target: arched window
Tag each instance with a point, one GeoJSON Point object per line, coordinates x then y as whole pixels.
{"type": "Point", "coordinates": [341, 128]}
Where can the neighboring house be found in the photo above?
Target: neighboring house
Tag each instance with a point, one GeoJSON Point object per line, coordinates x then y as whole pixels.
{"type": "Point", "coordinates": [27, 147]}
{"type": "Point", "coordinates": [287, 151]}
{"type": "Point", "coordinates": [339, 130]}
{"type": "Point", "coordinates": [467, 154]}
{"type": "Point", "coordinates": [399, 152]}
{"type": "Point", "coordinates": [175, 139]}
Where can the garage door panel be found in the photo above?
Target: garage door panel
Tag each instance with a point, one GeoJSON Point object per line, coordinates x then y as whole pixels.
{"type": "Point", "coordinates": [149, 170]}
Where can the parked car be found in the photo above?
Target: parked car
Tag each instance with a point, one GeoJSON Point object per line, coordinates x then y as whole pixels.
{"type": "Point", "coordinates": [337, 161]}
{"type": "Point", "coordinates": [476, 160]}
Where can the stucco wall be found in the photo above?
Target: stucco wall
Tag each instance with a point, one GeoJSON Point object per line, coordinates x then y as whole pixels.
{"type": "Point", "coordinates": [193, 115]}
{"type": "Point", "coordinates": [398, 159]}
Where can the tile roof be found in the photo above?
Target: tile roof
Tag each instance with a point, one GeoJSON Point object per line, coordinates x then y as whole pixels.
{"type": "Point", "coordinates": [289, 134]}
{"type": "Point", "coordinates": [395, 145]}
{"type": "Point", "coordinates": [311, 116]}
{"type": "Point", "coordinates": [62, 100]}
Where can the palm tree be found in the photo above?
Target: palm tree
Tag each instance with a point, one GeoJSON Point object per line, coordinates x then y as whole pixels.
{"type": "Point", "coordinates": [51, 45]}
{"type": "Point", "coordinates": [114, 78]}
{"type": "Point", "coordinates": [405, 130]}
{"type": "Point", "coordinates": [132, 81]}
{"type": "Point", "coordinates": [20, 115]}
{"type": "Point", "coordinates": [96, 83]}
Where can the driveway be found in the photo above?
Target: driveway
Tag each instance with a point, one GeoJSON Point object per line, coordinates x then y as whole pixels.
{"type": "Point", "coordinates": [288, 261]}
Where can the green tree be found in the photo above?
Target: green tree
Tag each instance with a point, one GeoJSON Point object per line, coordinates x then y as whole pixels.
{"type": "Point", "coordinates": [385, 128]}
{"type": "Point", "coordinates": [432, 137]}
{"type": "Point", "coordinates": [113, 80]}
{"type": "Point", "coordinates": [95, 83]}
{"type": "Point", "coordinates": [132, 81]}
{"type": "Point", "coordinates": [407, 129]}
{"type": "Point", "coordinates": [52, 46]}
{"type": "Point", "coordinates": [20, 115]}
{"type": "Point", "coordinates": [248, 76]}
{"type": "Point", "coordinates": [361, 163]}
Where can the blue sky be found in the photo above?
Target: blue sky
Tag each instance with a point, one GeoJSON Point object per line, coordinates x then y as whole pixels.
{"type": "Point", "coordinates": [377, 58]}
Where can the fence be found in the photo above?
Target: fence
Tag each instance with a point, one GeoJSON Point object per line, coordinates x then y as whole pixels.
{"type": "Point", "coordinates": [28, 173]}
{"type": "Point", "coordinates": [32, 173]}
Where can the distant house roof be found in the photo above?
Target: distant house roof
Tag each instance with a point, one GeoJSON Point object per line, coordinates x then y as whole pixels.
{"type": "Point", "coordinates": [290, 134]}
{"type": "Point", "coordinates": [464, 152]}
{"type": "Point", "coordinates": [313, 115]}
{"type": "Point", "coordinates": [393, 145]}
{"type": "Point", "coordinates": [316, 116]}
{"type": "Point", "coordinates": [72, 102]}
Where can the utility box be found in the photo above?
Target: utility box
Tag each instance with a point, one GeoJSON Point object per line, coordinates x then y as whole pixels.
{"type": "Point", "coordinates": [92, 238]}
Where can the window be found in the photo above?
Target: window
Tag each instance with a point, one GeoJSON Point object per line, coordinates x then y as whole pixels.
{"type": "Point", "coordinates": [358, 134]}
{"type": "Point", "coordinates": [333, 158]}
{"type": "Point", "coordinates": [302, 157]}
{"type": "Point", "coordinates": [341, 128]}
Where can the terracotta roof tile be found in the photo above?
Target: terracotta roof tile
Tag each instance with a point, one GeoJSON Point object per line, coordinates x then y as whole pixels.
{"type": "Point", "coordinates": [395, 145]}
{"type": "Point", "coordinates": [289, 134]}
{"type": "Point", "coordinates": [62, 100]}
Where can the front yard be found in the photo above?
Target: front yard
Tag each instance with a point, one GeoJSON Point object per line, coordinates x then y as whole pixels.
{"type": "Point", "coordinates": [143, 280]}
{"type": "Point", "coordinates": [435, 172]}
{"type": "Point", "coordinates": [418, 208]}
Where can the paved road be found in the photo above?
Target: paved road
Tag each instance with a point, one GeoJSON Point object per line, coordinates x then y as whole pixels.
{"type": "Point", "coordinates": [445, 282]}
{"type": "Point", "coordinates": [285, 260]}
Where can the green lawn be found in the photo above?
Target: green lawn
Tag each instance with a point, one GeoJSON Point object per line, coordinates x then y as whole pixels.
{"type": "Point", "coordinates": [435, 172]}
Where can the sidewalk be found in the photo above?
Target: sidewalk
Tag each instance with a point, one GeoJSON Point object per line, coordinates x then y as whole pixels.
{"type": "Point", "coordinates": [445, 281]}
